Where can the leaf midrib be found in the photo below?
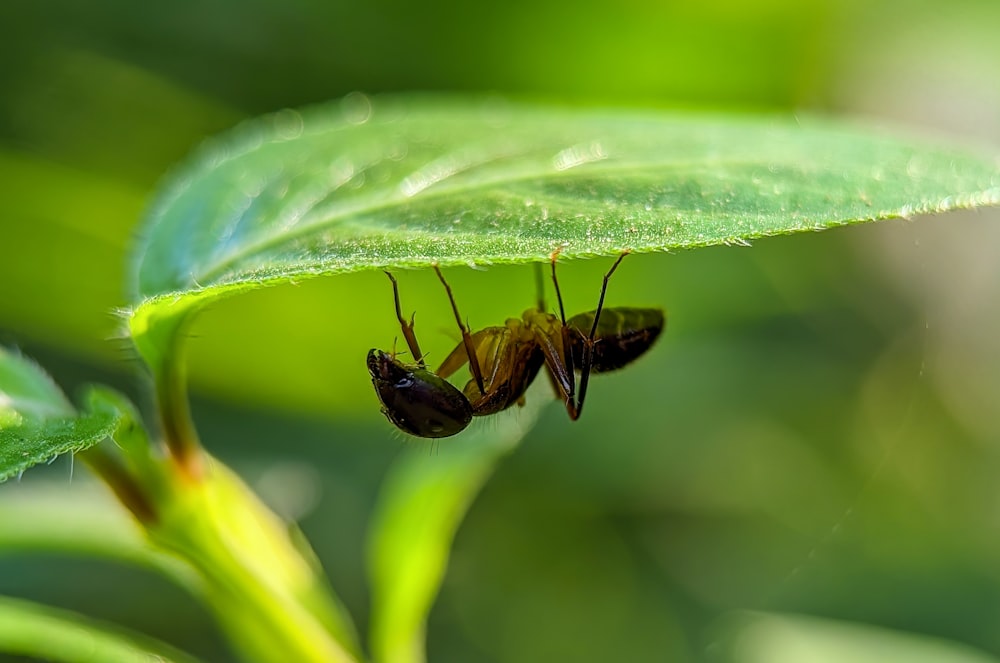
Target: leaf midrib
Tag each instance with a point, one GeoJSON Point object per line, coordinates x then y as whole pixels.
{"type": "Point", "coordinates": [435, 192]}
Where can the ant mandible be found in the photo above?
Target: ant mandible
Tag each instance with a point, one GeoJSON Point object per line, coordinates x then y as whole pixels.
{"type": "Point", "coordinates": [505, 360]}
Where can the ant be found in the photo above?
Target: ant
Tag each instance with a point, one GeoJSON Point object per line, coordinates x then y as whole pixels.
{"type": "Point", "coordinates": [505, 360]}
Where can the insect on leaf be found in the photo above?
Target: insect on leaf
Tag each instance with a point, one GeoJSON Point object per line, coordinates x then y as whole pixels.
{"type": "Point", "coordinates": [363, 184]}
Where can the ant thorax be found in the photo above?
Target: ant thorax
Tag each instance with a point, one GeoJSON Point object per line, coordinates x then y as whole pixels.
{"type": "Point", "coordinates": [545, 323]}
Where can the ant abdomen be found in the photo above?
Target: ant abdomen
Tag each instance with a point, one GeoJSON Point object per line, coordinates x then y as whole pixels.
{"type": "Point", "coordinates": [623, 334]}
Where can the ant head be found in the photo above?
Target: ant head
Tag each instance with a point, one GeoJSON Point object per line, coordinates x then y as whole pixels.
{"type": "Point", "coordinates": [415, 400]}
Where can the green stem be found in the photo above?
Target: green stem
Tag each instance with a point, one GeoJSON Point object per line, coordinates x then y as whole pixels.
{"type": "Point", "coordinates": [159, 338]}
{"type": "Point", "coordinates": [267, 591]}
{"type": "Point", "coordinates": [122, 483]}
{"type": "Point", "coordinates": [270, 598]}
{"type": "Point", "coordinates": [175, 413]}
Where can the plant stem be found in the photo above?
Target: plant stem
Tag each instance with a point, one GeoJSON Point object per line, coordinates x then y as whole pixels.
{"type": "Point", "coordinates": [266, 589]}
{"type": "Point", "coordinates": [175, 417]}
{"type": "Point", "coordinates": [269, 597]}
{"type": "Point", "coordinates": [125, 486]}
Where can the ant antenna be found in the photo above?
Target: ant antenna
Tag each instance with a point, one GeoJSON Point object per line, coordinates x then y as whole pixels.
{"type": "Point", "coordinates": [407, 327]}
{"type": "Point", "coordinates": [477, 373]}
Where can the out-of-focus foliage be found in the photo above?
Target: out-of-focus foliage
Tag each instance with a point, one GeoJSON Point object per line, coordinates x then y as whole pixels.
{"type": "Point", "coordinates": [816, 433]}
{"type": "Point", "coordinates": [55, 635]}
{"type": "Point", "coordinates": [422, 502]}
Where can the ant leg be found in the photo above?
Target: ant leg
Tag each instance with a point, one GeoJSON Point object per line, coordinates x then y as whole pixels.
{"type": "Point", "coordinates": [554, 257]}
{"type": "Point", "coordinates": [588, 344]}
{"type": "Point", "coordinates": [470, 349]}
{"type": "Point", "coordinates": [567, 352]}
{"type": "Point", "coordinates": [604, 289]}
{"type": "Point", "coordinates": [407, 327]}
{"type": "Point", "coordinates": [559, 356]}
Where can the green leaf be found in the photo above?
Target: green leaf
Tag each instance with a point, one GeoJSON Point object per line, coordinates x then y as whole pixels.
{"type": "Point", "coordinates": [339, 188]}
{"type": "Point", "coordinates": [48, 634]}
{"type": "Point", "coordinates": [360, 184]}
{"type": "Point", "coordinates": [423, 500]}
{"type": "Point", "coordinates": [37, 423]}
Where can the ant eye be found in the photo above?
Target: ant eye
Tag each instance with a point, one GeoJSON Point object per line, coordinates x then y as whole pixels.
{"type": "Point", "coordinates": [415, 400]}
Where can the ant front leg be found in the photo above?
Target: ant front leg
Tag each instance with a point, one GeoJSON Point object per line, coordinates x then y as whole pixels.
{"type": "Point", "coordinates": [470, 348]}
{"type": "Point", "coordinates": [407, 327]}
{"type": "Point", "coordinates": [588, 342]}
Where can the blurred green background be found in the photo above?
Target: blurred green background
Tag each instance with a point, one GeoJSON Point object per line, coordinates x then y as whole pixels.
{"type": "Point", "coordinates": [817, 434]}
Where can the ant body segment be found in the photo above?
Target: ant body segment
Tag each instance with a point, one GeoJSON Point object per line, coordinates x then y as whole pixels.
{"type": "Point", "coordinates": [504, 360]}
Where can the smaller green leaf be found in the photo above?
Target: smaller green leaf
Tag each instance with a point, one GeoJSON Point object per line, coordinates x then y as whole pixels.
{"type": "Point", "coordinates": [423, 500]}
{"type": "Point", "coordinates": [48, 634]}
{"type": "Point", "coordinates": [37, 422]}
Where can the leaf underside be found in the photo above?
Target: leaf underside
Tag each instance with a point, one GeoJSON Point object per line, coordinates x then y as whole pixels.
{"type": "Point", "coordinates": [362, 184]}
